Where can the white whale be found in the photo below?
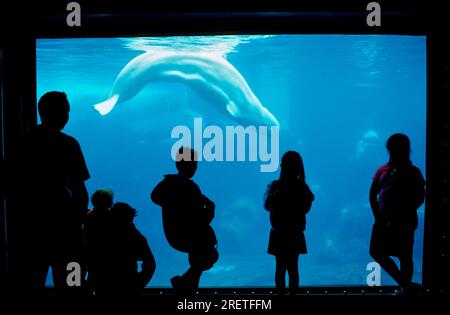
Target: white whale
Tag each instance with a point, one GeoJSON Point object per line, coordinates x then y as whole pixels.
{"type": "Point", "coordinates": [212, 77]}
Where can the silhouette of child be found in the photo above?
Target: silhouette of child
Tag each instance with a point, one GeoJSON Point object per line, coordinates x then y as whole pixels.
{"type": "Point", "coordinates": [187, 215]}
{"type": "Point", "coordinates": [288, 199]}
{"type": "Point", "coordinates": [125, 247]}
{"type": "Point", "coordinates": [95, 230]}
{"type": "Point", "coordinates": [397, 191]}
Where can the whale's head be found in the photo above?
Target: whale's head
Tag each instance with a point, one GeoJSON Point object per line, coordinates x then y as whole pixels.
{"type": "Point", "coordinates": [267, 117]}
{"type": "Point", "coordinates": [245, 106]}
{"type": "Point", "coordinates": [254, 113]}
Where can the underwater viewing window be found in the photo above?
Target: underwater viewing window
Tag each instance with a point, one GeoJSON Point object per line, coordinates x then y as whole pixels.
{"type": "Point", "coordinates": [333, 98]}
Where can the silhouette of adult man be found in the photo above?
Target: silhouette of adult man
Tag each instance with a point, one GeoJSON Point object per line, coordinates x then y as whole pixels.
{"type": "Point", "coordinates": [124, 248]}
{"type": "Point", "coordinates": [288, 200]}
{"type": "Point", "coordinates": [397, 191]}
{"type": "Point", "coordinates": [187, 215]}
{"type": "Point", "coordinates": [53, 195]}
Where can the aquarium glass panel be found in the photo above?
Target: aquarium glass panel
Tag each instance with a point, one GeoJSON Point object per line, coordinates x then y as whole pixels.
{"type": "Point", "coordinates": [333, 98]}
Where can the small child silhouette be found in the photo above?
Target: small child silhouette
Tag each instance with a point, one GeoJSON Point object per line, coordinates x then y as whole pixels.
{"type": "Point", "coordinates": [95, 232]}
{"type": "Point", "coordinates": [119, 250]}
{"type": "Point", "coordinates": [288, 199]}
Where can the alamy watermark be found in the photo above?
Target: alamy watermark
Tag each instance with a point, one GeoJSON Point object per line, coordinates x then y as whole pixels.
{"type": "Point", "coordinates": [73, 278]}
{"type": "Point", "coordinates": [74, 17]}
{"type": "Point", "coordinates": [374, 17]}
{"type": "Point", "coordinates": [374, 277]}
{"type": "Point", "coordinates": [232, 143]}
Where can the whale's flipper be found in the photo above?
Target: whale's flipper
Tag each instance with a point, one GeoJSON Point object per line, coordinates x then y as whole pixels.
{"type": "Point", "coordinates": [107, 106]}
{"type": "Point", "coordinates": [232, 109]}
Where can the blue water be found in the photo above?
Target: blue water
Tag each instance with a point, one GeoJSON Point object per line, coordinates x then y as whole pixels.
{"type": "Point", "coordinates": [337, 98]}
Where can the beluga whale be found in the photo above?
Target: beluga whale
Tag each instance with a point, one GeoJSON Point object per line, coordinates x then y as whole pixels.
{"type": "Point", "coordinates": [210, 75]}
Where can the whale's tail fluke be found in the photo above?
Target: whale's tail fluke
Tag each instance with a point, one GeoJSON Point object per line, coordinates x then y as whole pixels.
{"type": "Point", "coordinates": [106, 106]}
